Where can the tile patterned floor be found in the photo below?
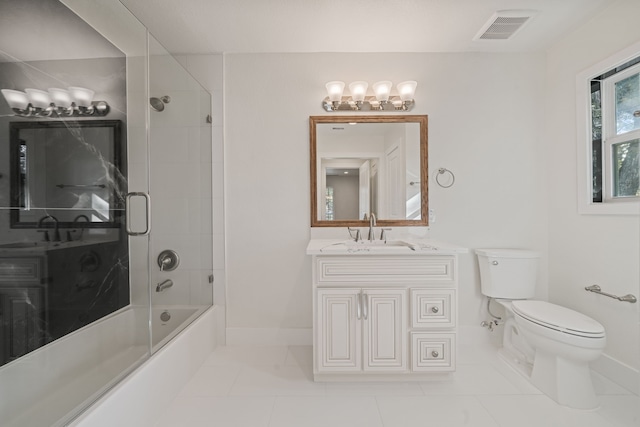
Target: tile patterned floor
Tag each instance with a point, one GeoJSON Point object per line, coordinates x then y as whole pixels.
{"type": "Point", "coordinates": [273, 387]}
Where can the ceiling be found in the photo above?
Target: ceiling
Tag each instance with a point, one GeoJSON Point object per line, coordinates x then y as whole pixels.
{"type": "Point", "coordinates": [40, 30]}
{"type": "Point", "coordinates": [288, 26]}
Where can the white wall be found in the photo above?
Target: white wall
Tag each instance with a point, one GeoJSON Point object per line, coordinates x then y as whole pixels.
{"type": "Point", "coordinates": [590, 249]}
{"type": "Point", "coordinates": [485, 114]}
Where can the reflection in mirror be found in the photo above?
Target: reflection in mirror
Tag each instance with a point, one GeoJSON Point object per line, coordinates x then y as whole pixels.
{"type": "Point", "coordinates": [363, 165]}
{"type": "Point", "coordinates": [64, 257]}
{"type": "Point", "coordinates": [68, 170]}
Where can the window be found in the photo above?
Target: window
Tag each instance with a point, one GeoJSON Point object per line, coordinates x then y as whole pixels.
{"type": "Point", "coordinates": [615, 132]}
{"type": "Point", "coordinates": [328, 206]}
{"type": "Point", "coordinates": [612, 129]}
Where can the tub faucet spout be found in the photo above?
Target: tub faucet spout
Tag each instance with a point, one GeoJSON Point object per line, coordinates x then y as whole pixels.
{"type": "Point", "coordinates": [164, 285]}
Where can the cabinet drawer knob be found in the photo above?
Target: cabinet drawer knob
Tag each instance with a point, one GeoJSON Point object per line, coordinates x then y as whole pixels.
{"type": "Point", "coordinates": [434, 309]}
{"type": "Point", "coordinates": [435, 353]}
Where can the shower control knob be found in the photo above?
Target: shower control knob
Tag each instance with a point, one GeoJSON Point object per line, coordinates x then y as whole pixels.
{"type": "Point", "coordinates": [435, 353]}
{"type": "Point", "coordinates": [168, 260]}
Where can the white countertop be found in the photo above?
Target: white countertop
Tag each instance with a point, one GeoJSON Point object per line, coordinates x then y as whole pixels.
{"type": "Point", "coordinates": [408, 246]}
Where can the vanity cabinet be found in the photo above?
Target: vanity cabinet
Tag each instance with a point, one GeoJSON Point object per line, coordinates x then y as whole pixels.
{"type": "Point", "coordinates": [86, 283]}
{"type": "Point", "coordinates": [361, 329]}
{"type": "Point", "coordinates": [384, 316]}
{"type": "Point", "coordinates": [22, 306]}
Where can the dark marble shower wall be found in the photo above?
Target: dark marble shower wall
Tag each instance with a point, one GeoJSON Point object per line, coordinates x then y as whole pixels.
{"type": "Point", "coordinates": [48, 290]}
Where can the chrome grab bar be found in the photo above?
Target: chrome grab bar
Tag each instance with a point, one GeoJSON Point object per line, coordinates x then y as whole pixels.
{"type": "Point", "coordinates": [597, 290]}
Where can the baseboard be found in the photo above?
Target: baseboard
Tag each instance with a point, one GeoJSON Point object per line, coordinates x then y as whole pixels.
{"type": "Point", "coordinates": [269, 336]}
{"type": "Point", "coordinates": [221, 325]}
{"type": "Point", "coordinates": [621, 374]}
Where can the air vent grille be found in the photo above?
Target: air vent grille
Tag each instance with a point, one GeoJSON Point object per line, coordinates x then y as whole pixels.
{"type": "Point", "coordinates": [503, 25]}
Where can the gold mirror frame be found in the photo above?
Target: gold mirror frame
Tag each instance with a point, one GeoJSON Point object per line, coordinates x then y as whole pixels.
{"type": "Point", "coordinates": [424, 173]}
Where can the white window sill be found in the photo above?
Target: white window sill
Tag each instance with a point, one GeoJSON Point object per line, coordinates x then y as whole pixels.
{"type": "Point", "coordinates": [610, 208]}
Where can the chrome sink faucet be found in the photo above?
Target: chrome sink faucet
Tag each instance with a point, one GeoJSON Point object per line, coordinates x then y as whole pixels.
{"type": "Point", "coordinates": [76, 223]}
{"type": "Point", "coordinates": [56, 231]}
{"type": "Point", "coordinates": [372, 223]}
{"type": "Point", "coordinates": [357, 231]}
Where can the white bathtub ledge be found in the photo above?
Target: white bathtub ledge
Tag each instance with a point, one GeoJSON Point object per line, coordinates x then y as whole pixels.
{"type": "Point", "coordinates": [140, 398]}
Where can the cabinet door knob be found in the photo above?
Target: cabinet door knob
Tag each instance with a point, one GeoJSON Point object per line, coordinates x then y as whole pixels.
{"type": "Point", "coordinates": [435, 309]}
{"type": "Point", "coordinates": [434, 353]}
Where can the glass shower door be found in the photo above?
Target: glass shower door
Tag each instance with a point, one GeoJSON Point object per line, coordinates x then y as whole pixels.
{"type": "Point", "coordinates": [181, 197]}
{"type": "Point", "coordinates": [73, 285]}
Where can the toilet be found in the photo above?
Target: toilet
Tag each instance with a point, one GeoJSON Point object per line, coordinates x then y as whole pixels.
{"type": "Point", "coordinates": [550, 344]}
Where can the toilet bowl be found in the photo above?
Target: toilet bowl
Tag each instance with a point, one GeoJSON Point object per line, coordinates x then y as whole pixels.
{"type": "Point", "coordinates": [554, 344]}
{"type": "Point", "coordinates": [564, 342]}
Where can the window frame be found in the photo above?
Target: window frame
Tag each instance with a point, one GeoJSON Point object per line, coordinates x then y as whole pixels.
{"type": "Point", "coordinates": [609, 205]}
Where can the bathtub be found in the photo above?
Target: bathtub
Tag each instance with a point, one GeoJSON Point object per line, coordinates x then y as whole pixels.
{"type": "Point", "coordinates": [142, 396]}
{"type": "Point", "coordinates": [77, 369]}
{"type": "Point", "coordinates": [169, 321]}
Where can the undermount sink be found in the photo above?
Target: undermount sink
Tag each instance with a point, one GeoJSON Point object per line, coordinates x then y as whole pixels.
{"type": "Point", "coordinates": [379, 244]}
{"type": "Point", "coordinates": [20, 245]}
{"type": "Point", "coordinates": [29, 245]}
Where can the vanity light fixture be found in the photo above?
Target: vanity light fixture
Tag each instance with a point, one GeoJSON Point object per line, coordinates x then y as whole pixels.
{"type": "Point", "coordinates": [357, 100]}
{"type": "Point", "coordinates": [55, 102]}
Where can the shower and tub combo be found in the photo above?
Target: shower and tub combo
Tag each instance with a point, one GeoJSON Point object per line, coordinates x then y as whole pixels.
{"type": "Point", "coordinates": [85, 308]}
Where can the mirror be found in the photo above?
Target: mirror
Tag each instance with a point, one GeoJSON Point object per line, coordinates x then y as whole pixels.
{"type": "Point", "coordinates": [369, 164]}
{"type": "Point", "coordinates": [69, 170]}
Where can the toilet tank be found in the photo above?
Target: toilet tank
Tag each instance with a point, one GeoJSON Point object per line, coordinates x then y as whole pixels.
{"type": "Point", "coordinates": [508, 273]}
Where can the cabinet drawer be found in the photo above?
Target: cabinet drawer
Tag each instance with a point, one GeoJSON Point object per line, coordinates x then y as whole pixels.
{"type": "Point", "coordinates": [433, 308]}
{"type": "Point", "coordinates": [19, 270]}
{"type": "Point", "coordinates": [433, 352]}
{"type": "Point", "coordinates": [437, 270]}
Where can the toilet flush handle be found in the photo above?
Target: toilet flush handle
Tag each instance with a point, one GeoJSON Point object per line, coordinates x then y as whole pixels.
{"type": "Point", "coordinates": [494, 262]}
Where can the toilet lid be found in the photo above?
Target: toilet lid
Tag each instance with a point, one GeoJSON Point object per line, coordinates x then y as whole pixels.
{"type": "Point", "coordinates": [559, 318]}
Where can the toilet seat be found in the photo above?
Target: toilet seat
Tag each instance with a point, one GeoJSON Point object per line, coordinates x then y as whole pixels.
{"type": "Point", "coordinates": [558, 318]}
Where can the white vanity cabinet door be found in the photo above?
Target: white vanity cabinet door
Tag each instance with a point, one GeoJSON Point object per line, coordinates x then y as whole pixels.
{"type": "Point", "coordinates": [338, 335]}
{"type": "Point", "coordinates": [361, 330]}
{"type": "Point", "coordinates": [385, 329]}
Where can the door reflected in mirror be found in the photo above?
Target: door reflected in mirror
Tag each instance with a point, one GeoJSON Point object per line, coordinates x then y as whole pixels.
{"type": "Point", "coordinates": [363, 165]}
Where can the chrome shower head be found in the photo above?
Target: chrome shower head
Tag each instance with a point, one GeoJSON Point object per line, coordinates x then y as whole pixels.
{"type": "Point", "coordinates": [157, 104]}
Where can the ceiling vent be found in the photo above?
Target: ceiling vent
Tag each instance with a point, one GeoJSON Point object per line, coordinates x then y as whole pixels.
{"type": "Point", "coordinates": [504, 24]}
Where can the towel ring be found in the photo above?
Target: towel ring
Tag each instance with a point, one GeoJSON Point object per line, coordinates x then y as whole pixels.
{"type": "Point", "coordinates": [442, 171]}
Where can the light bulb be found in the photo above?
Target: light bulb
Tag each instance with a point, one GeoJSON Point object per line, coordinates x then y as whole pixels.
{"type": "Point", "coordinates": [382, 90]}
{"type": "Point", "coordinates": [60, 97]}
{"type": "Point", "coordinates": [335, 89]}
{"type": "Point", "coordinates": [15, 98]}
{"type": "Point", "coordinates": [407, 90]}
{"type": "Point", "coordinates": [358, 90]}
{"type": "Point", "coordinates": [81, 96]}
{"type": "Point", "coordinates": [39, 98]}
